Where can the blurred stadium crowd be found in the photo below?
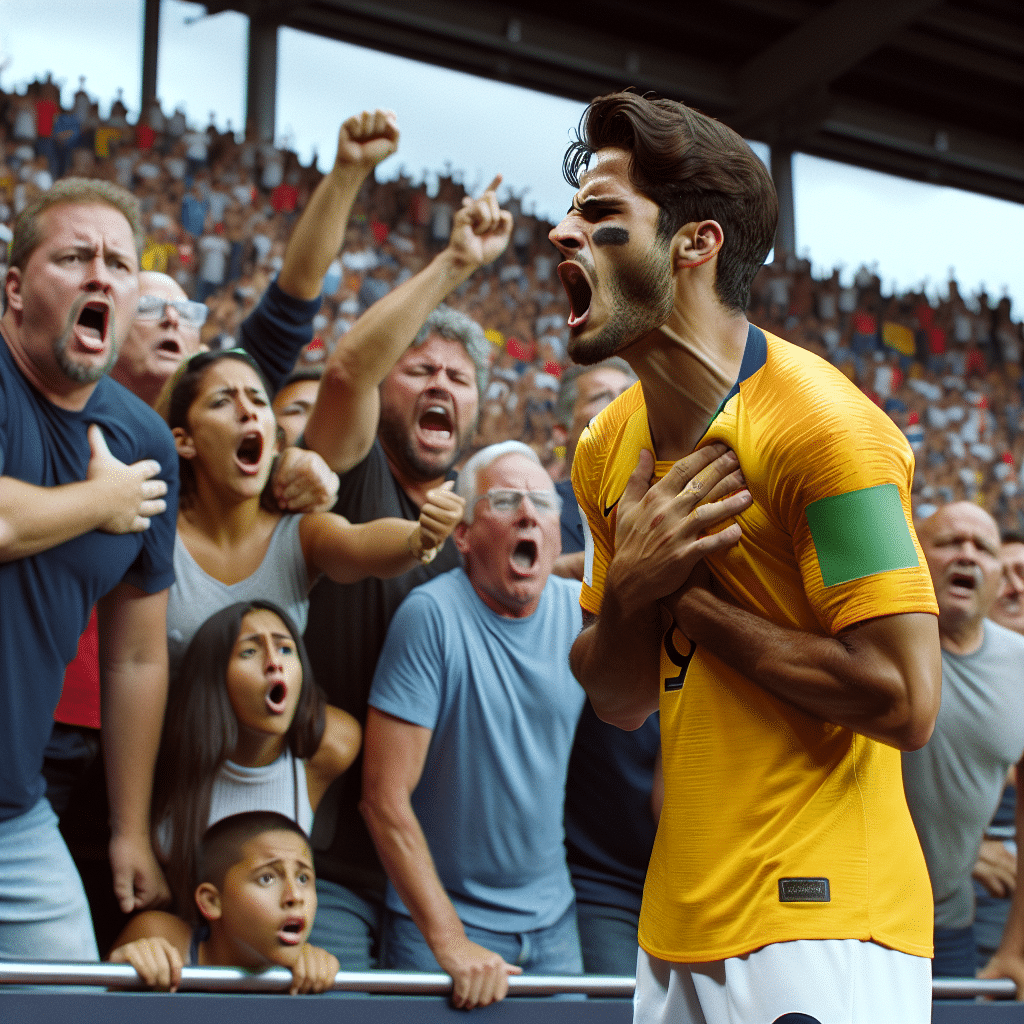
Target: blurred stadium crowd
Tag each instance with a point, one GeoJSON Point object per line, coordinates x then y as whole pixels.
{"type": "Point", "coordinates": [218, 210]}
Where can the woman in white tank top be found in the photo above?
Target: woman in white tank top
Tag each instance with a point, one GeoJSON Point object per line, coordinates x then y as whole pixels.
{"type": "Point", "coordinates": [246, 729]}
{"type": "Point", "coordinates": [232, 545]}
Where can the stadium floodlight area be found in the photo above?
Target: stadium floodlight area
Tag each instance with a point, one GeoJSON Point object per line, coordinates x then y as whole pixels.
{"type": "Point", "coordinates": [54, 993]}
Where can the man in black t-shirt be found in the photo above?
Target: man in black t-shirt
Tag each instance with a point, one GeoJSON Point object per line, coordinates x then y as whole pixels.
{"type": "Point", "coordinates": [397, 404]}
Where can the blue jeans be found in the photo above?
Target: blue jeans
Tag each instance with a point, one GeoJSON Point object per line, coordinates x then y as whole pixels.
{"type": "Point", "coordinates": [43, 911]}
{"type": "Point", "coordinates": [348, 924]}
{"type": "Point", "coordinates": [608, 939]}
{"type": "Point", "coordinates": [955, 955]}
{"type": "Point", "coordinates": [551, 950]}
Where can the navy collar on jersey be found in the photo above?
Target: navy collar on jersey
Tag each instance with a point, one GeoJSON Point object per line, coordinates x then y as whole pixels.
{"type": "Point", "coordinates": [755, 355]}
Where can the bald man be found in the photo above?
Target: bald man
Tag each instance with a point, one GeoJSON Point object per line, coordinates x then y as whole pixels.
{"type": "Point", "coordinates": [953, 784]}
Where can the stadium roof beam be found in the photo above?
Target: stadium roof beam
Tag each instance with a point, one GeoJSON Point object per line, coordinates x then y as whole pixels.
{"type": "Point", "coordinates": [927, 89]}
{"type": "Point", "coordinates": [150, 47]}
{"type": "Point", "coordinates": [261, 77]}
{"type": "Point", "coordinates": [816, 53]}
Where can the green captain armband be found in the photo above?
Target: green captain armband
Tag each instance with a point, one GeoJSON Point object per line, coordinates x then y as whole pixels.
{"type": "Point", "coordinates": [861, 533]}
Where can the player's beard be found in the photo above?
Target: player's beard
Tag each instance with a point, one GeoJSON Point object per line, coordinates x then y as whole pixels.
{"type": "Point", "coordinates": [85, 373]}
{"type": "Point", "coordinates": [641, 294]}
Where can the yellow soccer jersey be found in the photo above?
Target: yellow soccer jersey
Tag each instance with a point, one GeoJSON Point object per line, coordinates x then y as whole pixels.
{"type": "Point", "coordinates": [778, 826]}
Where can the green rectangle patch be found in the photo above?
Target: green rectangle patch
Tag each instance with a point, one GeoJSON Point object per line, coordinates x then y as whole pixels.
{"type": "Point", "coordinates": [861, 533]}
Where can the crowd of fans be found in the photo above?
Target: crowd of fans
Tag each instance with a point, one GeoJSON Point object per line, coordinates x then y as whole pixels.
{"type": "Point", "coordinates": [218, 210]}
{"type": "Point", "coordinates": [218, 213]}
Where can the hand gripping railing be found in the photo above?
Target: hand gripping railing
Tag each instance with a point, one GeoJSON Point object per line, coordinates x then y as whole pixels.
{"type": "Point", "coordinates": [277, 979]}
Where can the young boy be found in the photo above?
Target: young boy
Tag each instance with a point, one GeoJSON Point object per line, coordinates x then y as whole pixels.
{"type": "Point", "coordinates": [257, 898]}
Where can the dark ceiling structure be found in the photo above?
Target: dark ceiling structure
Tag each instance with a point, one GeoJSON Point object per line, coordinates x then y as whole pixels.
{"type": "Point", "coordinates": [927, 90]}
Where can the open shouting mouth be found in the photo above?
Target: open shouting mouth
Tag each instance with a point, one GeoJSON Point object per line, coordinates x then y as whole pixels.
{"type": "Point", "coordinates": [577, 286]}
{"type": "Point", "coordinates": [91, 326]}
{"type": "Point", "coordinates": [524, 556]}
{"type": "Point", "coordinates": [276, 699]}
{"type": "Point", "coordinates": [249, 453]}
{"type": "Point", "coordinates": [291, 931]}
{"type": "Point", "coordinates": [436, 423]}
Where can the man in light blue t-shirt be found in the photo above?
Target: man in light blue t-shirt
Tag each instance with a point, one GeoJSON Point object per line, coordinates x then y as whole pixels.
{"type": "Point", "coordinates": [472, 714]}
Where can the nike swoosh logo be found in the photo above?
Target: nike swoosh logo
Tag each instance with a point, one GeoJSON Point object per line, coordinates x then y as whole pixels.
{"type": "Point", "coordinates": [611, 508]}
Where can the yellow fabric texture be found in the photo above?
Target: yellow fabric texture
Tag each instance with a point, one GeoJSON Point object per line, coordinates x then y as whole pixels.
{"type": "Point", "coordinates": [755, 790]}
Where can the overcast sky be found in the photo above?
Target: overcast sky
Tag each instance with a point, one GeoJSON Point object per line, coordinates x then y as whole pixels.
{"type": "Point", "coordinates": [844, 216]}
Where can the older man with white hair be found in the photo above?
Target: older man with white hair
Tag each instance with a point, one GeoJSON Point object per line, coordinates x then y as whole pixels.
{"type": "Point", "coordinates": [471, 720]}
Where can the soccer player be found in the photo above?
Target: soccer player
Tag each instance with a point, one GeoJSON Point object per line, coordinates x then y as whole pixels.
{"type": "Point", "coordinates": [786, 875]}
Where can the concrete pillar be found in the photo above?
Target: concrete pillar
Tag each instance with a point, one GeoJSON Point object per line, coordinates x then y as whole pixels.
{"type": "Point", "coordinates": [261, 82]}
{"type": "Point", "coordinates": [782, 175]}
{"type": "Point", "coordinates": [150, 50]}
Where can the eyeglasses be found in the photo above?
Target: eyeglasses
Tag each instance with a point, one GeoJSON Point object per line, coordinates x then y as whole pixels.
{"type": "Point", "coordinates": [505, 501]}
{"type": "Point", "coordinates": [152, 307]}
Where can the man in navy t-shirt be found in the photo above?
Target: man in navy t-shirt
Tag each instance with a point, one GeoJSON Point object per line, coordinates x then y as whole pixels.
{"type": "Point", "coordinates": [88, 496]}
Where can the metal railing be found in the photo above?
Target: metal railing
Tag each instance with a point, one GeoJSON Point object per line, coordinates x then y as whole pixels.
{"type": "Point", "coordinates": [277, 979]}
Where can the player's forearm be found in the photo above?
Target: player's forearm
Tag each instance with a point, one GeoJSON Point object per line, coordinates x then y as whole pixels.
{"type": "Point", "coordinates": [617, 659]}
{"type": "Point", "coordinates": [34, 518]}
{"type": "Point", "coordinates": [406, 858]}
{"type": "Point", "coordinates": [846, 680]}
{"type": "Point", "coordinates": [319, 232]}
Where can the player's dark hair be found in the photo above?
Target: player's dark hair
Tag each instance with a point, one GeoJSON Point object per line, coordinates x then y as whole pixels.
{"type": "Point", "coordinates": [695, 168]}
{"type": "Point", "coordinates": [200, 733]}
{"type": "Point", "coordinates": [220, 849]}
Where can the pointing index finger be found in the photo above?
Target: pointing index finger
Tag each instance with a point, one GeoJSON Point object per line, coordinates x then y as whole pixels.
{"type": "Point", "coordinates": [493, 187]}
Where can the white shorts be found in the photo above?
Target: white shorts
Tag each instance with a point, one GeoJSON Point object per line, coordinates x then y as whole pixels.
{"type": "Point", "coordinates": [810, 981]}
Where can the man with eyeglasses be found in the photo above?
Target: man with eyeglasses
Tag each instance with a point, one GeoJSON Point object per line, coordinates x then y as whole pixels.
{"type": "Point", "coordinates": [472, 715]}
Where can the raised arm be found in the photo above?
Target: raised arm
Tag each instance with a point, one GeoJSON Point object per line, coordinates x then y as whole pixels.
{"type": "Point", "coordinates": [395, 752]}
{"type": "Point", "coordinates": [114, 498]}
{"type": "Point", "coordinates": [364, 140]}
{"type": "Point", "coordinates": [343, 423]}
{"type": "Point", "coordinates": [660, 535]}
{"type": "Point", "coordinates": [281, 325]}
{"type": "Point", "coordinates": [133, 676]}
{"type": "Point", "coordinates": [881, 678]}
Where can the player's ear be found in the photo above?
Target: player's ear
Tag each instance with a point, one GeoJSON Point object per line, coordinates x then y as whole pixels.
{"type": "Point", "coordinates": [208, 901]}
{"type": "Point", "coordinates": [461, 529]}
{"type": "Point", "coordinates": [183, 442]}
{"type": "Point", "coordinates": [695, 243]}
